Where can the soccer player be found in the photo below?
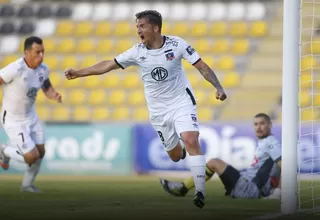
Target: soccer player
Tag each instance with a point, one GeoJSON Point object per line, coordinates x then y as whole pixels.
{"type": "Point", "coordinates": [21, 81]}
{"type": "Point", "coordinates": [262, 179]}
{"type": "Point", "coordinates": [170, 98]}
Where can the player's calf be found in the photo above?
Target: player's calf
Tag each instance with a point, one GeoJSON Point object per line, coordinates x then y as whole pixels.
{"type": "Point", "coordinates": [34, 159]}
{"type": "Point", "coordinates": [197, 162]}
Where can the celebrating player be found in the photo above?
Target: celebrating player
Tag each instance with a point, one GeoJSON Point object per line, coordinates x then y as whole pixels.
{"type": "Point", "coordinates": [170, 99]}
{"type": "Point", "coordinates": [21, 81]}
{"type": "Point", "coordinates": [260, 180]}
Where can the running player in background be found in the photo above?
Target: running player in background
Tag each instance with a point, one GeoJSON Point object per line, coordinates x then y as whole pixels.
{"type": "Point", "coordinates": [169, 95]}
{"type": "Point", "coordinates": [21, 81]}
{"type": "Point", "coordinates": [262, 179]}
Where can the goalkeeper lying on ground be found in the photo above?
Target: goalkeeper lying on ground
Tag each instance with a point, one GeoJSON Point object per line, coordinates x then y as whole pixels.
{"type": "Point", "coordinates": [261, 179]}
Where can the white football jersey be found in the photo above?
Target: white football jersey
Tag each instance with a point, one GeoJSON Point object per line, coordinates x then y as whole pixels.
{"type": "Point", "coordinates": [21, 86]}
{"type": "Point", "coordinates": [166, 86]}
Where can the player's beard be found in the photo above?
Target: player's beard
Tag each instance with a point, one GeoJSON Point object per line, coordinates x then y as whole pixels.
{"type": "Point", "coordinates": [144, 41]}
{"type": "Point", "coordinates": [148, 41]}
{"type": "Point", "coordinates": [263, 135]}
{"type": "Point", "coordinates": [37, 64]}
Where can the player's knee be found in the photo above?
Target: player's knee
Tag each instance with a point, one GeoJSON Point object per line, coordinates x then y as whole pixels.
{"type": "Point", "coordinates": [32, 156]}
{"type": "Point", "coordinates": [212, 163]}
{"type": "Point", "coordinates": [217, 165]}
{"type": "Point", "coordinates": [175, 157]}
{"type": "Point", "coordinates": [30, 159]}
{"type": "Point", "coordinates": [215, 160]}
{"type": "Point", "coordinates": [191, 142]}
{"type": "Point", "coordinates": [191, 139]}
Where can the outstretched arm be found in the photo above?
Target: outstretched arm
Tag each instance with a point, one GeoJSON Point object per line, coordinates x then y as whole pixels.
{"type": "Point", "coordinates": [211, 77]}
{"type": "Point", "coordinates": [208, 74]}
{"type": "Point", "coordinates": [96, 69]}
{"type": "Point", "coordinates": [50, 92]}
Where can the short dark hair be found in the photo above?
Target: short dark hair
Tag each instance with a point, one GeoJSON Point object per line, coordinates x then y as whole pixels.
{"type": "Point", "coordinates": [263, 115]}
{"type": "Point", "coordinates": [153, 16]}
{"type": "Point", "coordinates": [30, 40]}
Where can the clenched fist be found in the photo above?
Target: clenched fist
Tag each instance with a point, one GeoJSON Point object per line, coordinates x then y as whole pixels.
{"type": "Point", "coordinates": [71, 74]}
{"type": "Point", "coordinates": [221, 95]}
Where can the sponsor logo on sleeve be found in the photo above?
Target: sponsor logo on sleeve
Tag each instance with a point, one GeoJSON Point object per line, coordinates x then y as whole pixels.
{"type": "Point", "coordinates": [190, 50]}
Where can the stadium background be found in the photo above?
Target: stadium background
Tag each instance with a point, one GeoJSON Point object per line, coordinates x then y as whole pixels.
{"type": "Point", "coordinates": [102, 126]}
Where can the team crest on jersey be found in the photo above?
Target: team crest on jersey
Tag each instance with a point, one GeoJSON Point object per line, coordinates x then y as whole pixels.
{"type": "Point", "coordinates": [170, 56]}
{"type": "Point", "coordinates": [41, 78]}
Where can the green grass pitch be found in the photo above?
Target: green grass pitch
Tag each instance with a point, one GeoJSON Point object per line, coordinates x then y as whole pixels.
{"type": "Point", "coordinates": [133, 197]}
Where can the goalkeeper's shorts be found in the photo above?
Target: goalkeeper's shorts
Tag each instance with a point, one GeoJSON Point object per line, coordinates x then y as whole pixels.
{"type": "Point", "coordinates": [245, 189]}
{"type": "Point", "coordinates": [238, 185]}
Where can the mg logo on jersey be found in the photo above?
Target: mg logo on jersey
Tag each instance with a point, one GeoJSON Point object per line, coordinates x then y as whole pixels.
{"type": "Point", "coordinates": [159, 73]}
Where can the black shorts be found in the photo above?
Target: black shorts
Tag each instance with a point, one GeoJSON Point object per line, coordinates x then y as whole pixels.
{"type": "Point", "coordinates": [229, 178]}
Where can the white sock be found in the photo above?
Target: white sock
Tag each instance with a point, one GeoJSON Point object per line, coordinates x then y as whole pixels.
{"type": "Point", "coordinates": [197, 166]}
{"type": "Point", "coordinates": [14, 154]}
{"type": "Point", "coordinates": [31, 173]}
